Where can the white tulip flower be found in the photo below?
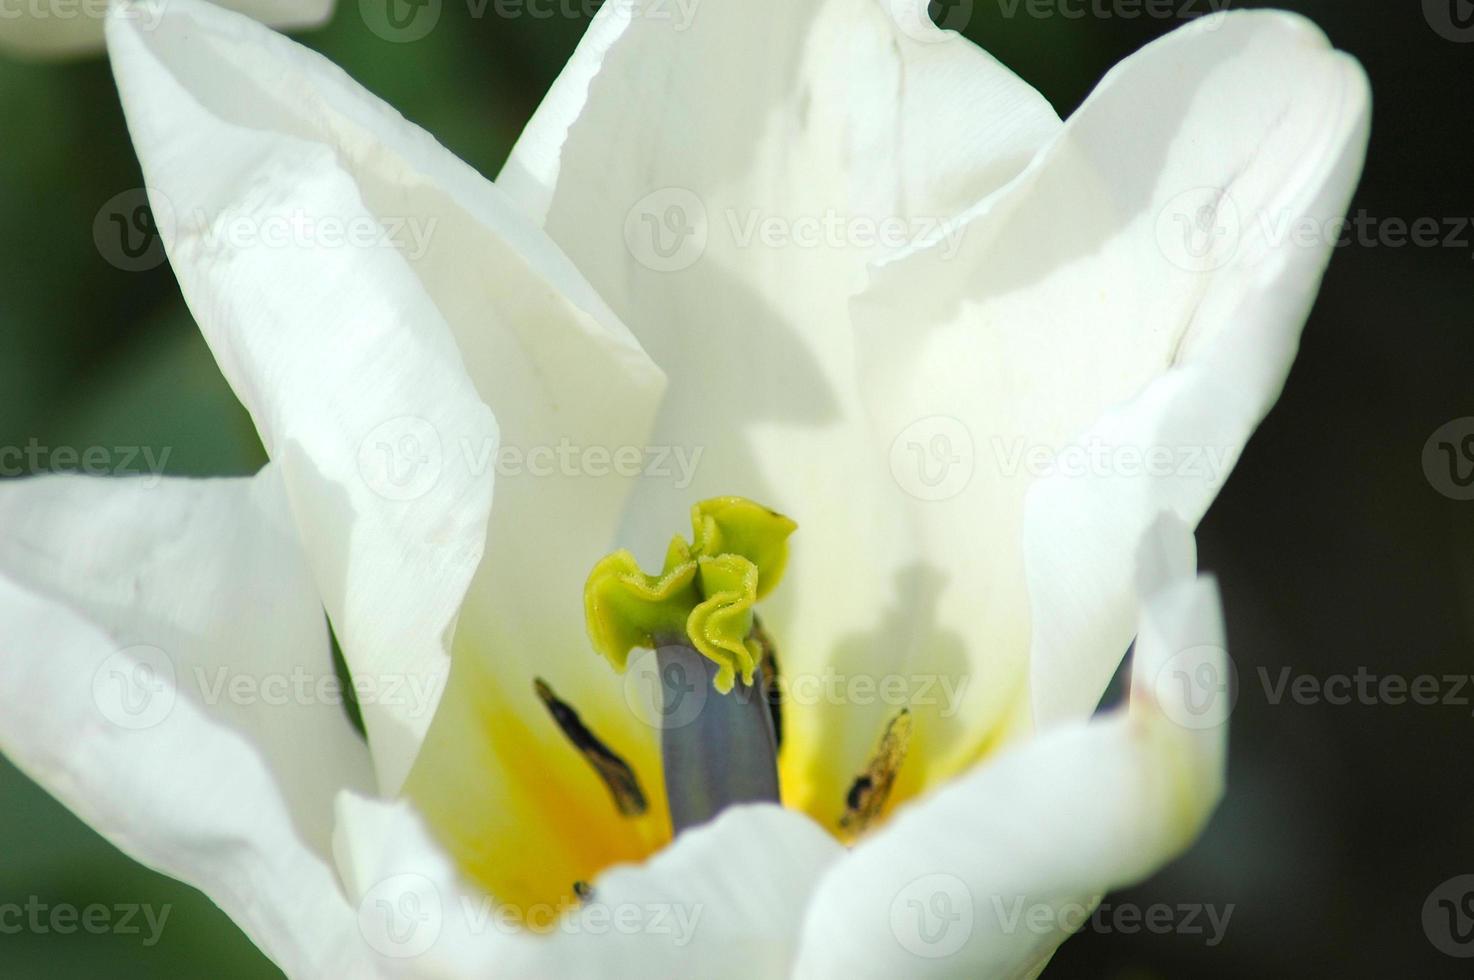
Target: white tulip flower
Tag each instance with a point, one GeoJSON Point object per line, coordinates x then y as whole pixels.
{"type": "Point", "coordinates": [815, 254]}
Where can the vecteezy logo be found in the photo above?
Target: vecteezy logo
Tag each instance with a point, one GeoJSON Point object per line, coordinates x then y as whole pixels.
{"type": "Point", "coordinates": [1452, 19]}
{"type": "Point", "coordinates": [930, 22]}
{"type": "Point", "coordinates": [135, 687]}
{"type": "Point", "coordinates": [1198, 230]}
{"type": "Point", "coordinates": [665, 696]}
{"type": "Point", "coordinates": [666, 231]}
{"type": "Point", "coordinates": [129, 229]}
{"type": "Point", "coordinates": [932, 917]}
{"type": "Point", "coordinates": [1448, 459]}
{"type": "Point", "coordinates": [400, 21]}
{"type": "Point", "coordinates": [401, 459]}
{"type": "Point", "coordinates": [1448, 917]}
{"type": "Point", "coordinates": [401, 916]}
{"type": "Point", "coordinates": [933, 458]}
{"type": "Point", "coordinates": [1198, 687]}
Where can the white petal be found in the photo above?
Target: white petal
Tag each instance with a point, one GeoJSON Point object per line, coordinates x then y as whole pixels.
{"type": "Point", "coordinates": [989, 875]}
{"type": "Point", "coordinates": [921, 120]}
{"type": "Point", "coordinates": [1067, 295]}
{"type": "Point", "coordinates": [68, 28]}
{"type": "Point", "coordinates": [331, 347]}
{"type": "Point", "coordinates": [725, 900]}
{"type": "Point", "coordinates": [335, 346]}
{"type": "Point", "coordinates": [1301, 113]}
{"type": "Point", "coordinates": [153, 637]}
{"type": "Point", "coordinates": [825, 119]}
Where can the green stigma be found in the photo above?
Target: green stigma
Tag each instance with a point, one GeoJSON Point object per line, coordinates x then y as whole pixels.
{"type": "Point", "coordinates": [704, 594]}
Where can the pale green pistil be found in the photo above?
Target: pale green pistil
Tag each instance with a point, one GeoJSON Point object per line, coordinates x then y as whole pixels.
{"type": "Point", "coordinates": [706, 591]}
{"type": "Point", "coordinates": [698, 616]}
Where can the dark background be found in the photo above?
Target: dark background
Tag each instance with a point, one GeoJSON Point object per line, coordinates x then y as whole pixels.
{"type": "Point", "coordinates": [1334, 550]}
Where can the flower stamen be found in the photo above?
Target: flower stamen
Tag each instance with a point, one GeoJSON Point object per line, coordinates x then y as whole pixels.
{"type": "Point", "coordinates": [768, 667]}
{"type": "Point", "coordinates": [623, 784]}
{"type": "Point", "coordinates": [872, 788]}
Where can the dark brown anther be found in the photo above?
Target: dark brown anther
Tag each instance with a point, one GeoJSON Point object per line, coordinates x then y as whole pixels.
{"type": "Point", "coordinates": [872, 788]}
{"type": "Point", "coordinates": [620, 779]}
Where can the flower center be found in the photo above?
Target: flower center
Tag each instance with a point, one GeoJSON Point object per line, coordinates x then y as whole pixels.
{"type": "Point", "coordinates": [699, 617]}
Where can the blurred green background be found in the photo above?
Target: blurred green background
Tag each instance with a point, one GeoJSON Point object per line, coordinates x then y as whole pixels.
{"type": "Point", "coordinates": [1333, 550]}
